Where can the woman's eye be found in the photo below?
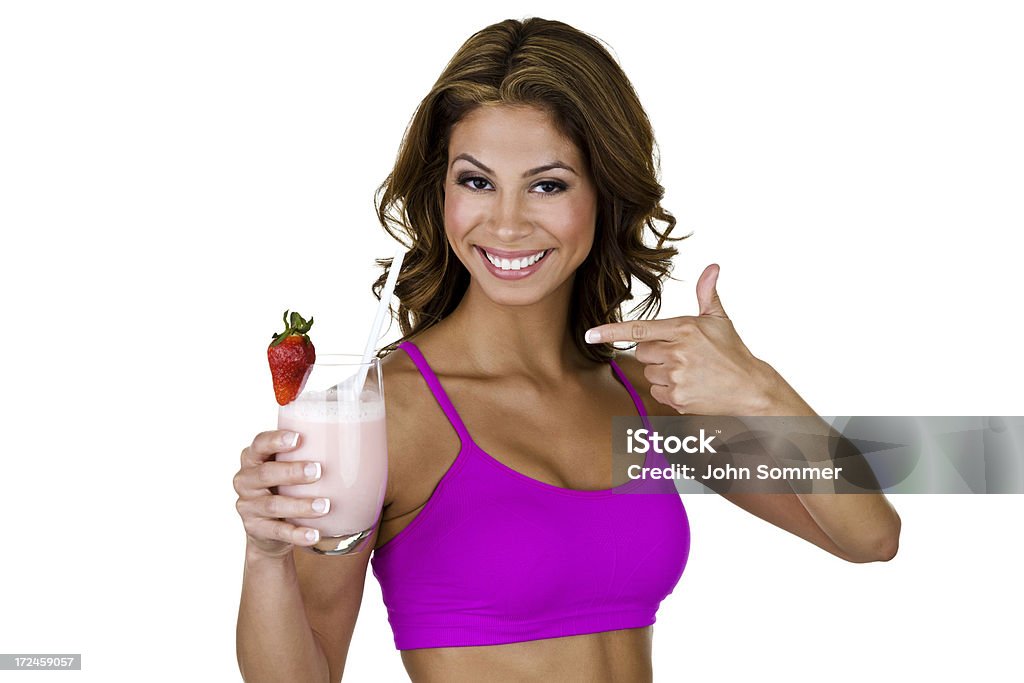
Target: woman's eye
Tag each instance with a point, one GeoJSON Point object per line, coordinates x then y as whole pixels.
{"type": "Point", "coordinates": [550, 187]}
{"type": "Point", "coordinates": [475, 183]}
{"type": "Point", "coordinates": [478, 184]}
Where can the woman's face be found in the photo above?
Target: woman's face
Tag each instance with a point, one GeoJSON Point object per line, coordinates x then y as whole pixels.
{"type": "Point", "coordinates": [520, 207]}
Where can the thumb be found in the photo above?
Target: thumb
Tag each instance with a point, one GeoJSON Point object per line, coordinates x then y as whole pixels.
{"type": "Point", "coordinates": [707, 294]}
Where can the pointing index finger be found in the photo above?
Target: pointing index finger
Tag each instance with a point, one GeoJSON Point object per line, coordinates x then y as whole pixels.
{"type": "Point", "coordinates": [631, 330]}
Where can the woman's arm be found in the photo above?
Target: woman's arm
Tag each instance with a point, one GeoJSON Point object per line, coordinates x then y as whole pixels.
{"type": "Point", "coordinates": [297, 614]}
{"type": "Point", "coordinates": [864, 525]}
{"type": "Point", "coordinates": [857, 528]}
{"type": "Point", "coordinates": [297, 609]}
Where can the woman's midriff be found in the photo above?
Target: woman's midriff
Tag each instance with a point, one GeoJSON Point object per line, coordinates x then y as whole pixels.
{"type": "Point", "coordinates": [595, 657]}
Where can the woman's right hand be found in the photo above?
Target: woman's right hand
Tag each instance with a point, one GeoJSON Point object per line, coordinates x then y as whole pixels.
{"type": "Point", "coordinates": [259, 505]}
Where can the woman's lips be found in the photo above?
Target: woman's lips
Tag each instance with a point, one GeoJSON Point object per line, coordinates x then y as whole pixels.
{"type": "Point", "coordinates": [512, 274]}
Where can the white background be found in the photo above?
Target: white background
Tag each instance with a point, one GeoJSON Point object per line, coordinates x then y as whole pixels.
{"type": "Point", "coordinates": [174, 175]}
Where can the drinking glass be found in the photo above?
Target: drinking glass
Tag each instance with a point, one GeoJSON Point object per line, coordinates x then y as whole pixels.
{"type": "Point", "coordinates": [339, 415]}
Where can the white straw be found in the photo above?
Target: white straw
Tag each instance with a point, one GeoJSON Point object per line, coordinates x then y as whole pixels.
{"type": "Point", "coordinates": [382, 312]}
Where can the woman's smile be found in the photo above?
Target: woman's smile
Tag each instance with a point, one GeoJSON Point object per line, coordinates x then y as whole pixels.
{"type": "Point", "coordinates": [512, 265]}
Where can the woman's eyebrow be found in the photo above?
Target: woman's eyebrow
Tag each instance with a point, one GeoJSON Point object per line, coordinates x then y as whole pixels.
{"type": "Point", "coordinates": [532, 171]}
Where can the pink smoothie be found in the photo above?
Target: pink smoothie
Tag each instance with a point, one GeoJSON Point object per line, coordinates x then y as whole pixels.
{"type": "Point", "coordinates": [350, 443]}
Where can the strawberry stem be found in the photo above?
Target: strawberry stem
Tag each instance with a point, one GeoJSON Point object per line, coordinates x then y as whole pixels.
{"type": "Point", "coordinates": [297, 326]}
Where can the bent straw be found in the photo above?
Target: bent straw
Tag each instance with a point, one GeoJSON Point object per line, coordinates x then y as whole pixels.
{"type": "Point", "coordinates": [378, 321]}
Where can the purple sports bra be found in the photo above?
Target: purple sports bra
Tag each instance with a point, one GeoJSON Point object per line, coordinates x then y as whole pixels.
{"type": "Point", "coordinates": [498, 557]}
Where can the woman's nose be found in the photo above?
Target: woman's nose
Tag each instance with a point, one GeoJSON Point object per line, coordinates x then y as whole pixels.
{"type": "Point", "coordinates": [510, 222]}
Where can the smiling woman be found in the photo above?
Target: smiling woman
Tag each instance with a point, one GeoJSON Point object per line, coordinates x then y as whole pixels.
{"type": "Point", "coordinates": [508, 548]}
{"type": "Point", "coordinates": [545, 88]}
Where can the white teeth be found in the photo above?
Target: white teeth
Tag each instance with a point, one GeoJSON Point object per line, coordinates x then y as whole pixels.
{"type": "Point", "coordinates": [515, 264]}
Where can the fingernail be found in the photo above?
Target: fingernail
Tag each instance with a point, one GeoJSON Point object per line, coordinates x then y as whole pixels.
{"type": "Point", "coordinates": [592, 336]}
{"type": "Point", "coordinates": [322, 505]}
{"type": "Point", "coordinates": [289, 439]}
{"type": "Point", "coordinates": [312, 470]}
{"type": "Point", "coordinates": [312, 535]}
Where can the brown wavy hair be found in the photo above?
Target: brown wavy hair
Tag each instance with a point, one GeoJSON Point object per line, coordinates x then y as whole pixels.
{"type": "Point", "coordinates": [569, 74]}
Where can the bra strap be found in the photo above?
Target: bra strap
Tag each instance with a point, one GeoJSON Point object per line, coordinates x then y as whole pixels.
{"type": "Point", "coordinates": [637, 401]}
{"type": "Point", "coordinates": [436, 389]}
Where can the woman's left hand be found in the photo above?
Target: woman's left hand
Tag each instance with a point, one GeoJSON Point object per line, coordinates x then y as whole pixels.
{"type": "Point", "coordinates": [697, 364]}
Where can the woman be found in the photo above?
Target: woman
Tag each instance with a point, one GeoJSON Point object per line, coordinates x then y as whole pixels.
{"type": "Point", "coordinates": [525, 184]}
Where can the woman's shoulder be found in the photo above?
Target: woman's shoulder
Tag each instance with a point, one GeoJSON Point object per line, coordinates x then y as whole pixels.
{"type": "Point", "coordinates": [403, 375]}
{"type": "Point", "coordinates": [634, 372]}
{"type": "Point", "coordinates": [421, 441]}
{"type": "Point", "coordinates": [407, 398]}
{"type": "Point", "coordinates": [398, 368]}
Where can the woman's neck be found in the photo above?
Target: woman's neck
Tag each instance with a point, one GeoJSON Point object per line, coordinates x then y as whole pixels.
{"type": "Point", "coordinates": [502, 340]}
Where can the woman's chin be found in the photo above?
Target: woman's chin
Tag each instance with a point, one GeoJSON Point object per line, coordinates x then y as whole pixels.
{"type": "Point", "coordinates": [508, 294]}
{"type": "Point", "coordinates": [503, 296]}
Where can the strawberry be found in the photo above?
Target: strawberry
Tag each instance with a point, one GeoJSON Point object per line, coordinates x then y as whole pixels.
{"type": "Point", "coordinates": [291, 355]}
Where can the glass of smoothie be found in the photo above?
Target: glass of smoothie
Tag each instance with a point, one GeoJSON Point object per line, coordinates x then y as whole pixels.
{"type": "Point", "coordinates": [339, 415]}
